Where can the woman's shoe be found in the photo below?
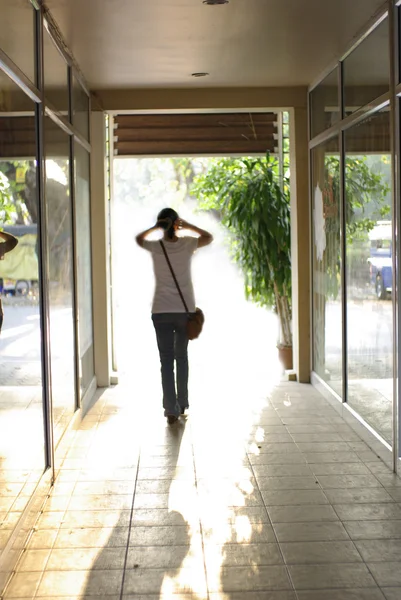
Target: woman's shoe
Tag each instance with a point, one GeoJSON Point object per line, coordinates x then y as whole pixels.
{"type": "Point", "coordinates": [183, 410]}
{"type": "Point", "coordinates": [171, 419]}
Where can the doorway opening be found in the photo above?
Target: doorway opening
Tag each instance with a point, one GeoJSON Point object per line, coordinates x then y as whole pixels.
{"type": "Point", "coordinates": [236, 355]}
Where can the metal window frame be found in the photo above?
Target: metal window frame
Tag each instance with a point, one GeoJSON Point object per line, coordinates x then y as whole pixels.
{"type": "Point", "coordinates": [369, 27]}
{"type": "Point", "coordinates": [395, 52]}
{"type": "Point", "coordinates": [44, 305]}
{"type": "Point", "coordinates": [43, 108]}
{"type": "Point", "coordinates": [391, 11]}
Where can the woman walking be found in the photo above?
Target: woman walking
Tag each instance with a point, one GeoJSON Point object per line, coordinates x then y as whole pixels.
{"type": "Point", "coordinates": [168, 312]}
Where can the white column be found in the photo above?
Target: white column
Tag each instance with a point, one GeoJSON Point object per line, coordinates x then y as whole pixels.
{"type": "Point", "coordinates": [300, 243]}
{"type": "Point", "coordinates": [100, 252]}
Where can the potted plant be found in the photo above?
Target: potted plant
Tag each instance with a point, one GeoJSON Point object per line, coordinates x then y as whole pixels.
{"type": "Point", "coordinates": [255, 207]}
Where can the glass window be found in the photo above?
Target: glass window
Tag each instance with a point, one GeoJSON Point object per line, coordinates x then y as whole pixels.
{"type": "Point", "coordinates": [84, 264]}
{"type": "Point", "coordinates": [17, 34]}
{"type": "Point", "coordinates": [369, 271]}
{"type": "Point", "coordinates": [55, 75]}
{"type": "Point", "coordinates": [60, 256]}
{"type": "Point", "coordinates": [367, 70]}
{"type": "Point", "coordinates": [22, 438]}
{"type": "Point", "coordinates": [327, 303]}
{"type": "Point", "coordinates": [80, 107]}
{"type": "Point", "coordinates": [324, 104]}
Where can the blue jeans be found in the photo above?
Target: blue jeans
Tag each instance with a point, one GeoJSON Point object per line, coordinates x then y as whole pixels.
{"type": "Point", "coordinates": [172, 341]}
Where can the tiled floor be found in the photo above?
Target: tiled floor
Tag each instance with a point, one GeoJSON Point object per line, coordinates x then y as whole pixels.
{"type": "Point", "coordinates": [279, 500]}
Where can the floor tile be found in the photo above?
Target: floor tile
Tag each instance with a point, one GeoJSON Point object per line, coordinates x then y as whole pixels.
{"type": "Point", "coordinates": [304, 532]}
{"type": "Point", "coordinates": [265, 595]}
{"type": "Point", "coordinates": [42, 539]}
{"type": "Point", "coordinates": [24, 585]}
{"type": "Point", "coordinates": [316, 447]}
{"type": "Point", "coordinates": [311, 428]}
{"type": "Point", "coordinates": [288, 461]}
{"type": "Point", "coordinates": [367, 495]}
{"type": "Point", "coordinates": [270, 437]}
{"type": "Point", "coordinates": [293, 497]}
{"type": "Point", "coordinates": [343, 594]}
{"type": "Point", "coordinates": [389, 480]}
{"type": "Point", "coordinates": [107, 474]}
{"type": "Point", "coordinates": [310, 577]}
{"type": "Point", "coordinates": [159, 581]}
{"type": "Point", "coordinates": [392, 593]}
{"type": "Point", "coordinates": [90, 583]}
{"type": "Point", "coordinates": [348, 481]}
{"type": "Point", "coordinates": [274, 448]}
{"type": "Point", "coordinates": [331, 457]}
{"type": "Point", "coordinates": [151, 501]}
{"type": "Point", "coordinates": [386, 574]}
{"type": "Point", "coordinates": [178, 473]}
{"type": "Point", "coordinates": [86, 559]}
{"type": "Point", "coordinates": [287, 483]}
{"type": "Point", "coordinates": [242, 555]}
{"type": "Point", "coordinates": [379, 550]}
{"type": "Point", "coordinates": [367, 512]}
{"type": "Point", "coordinates": [231, 579]}
{"type": "Point", "coordinates": [33, 560]}
{"type": "Point", "coordinates": [104, 487]}
{"type": "Point", "coordinates": [347, 468]}
{"type": "Point", "coordinates": [238, 532]}
{"type": "Point", "coordinates": [98, 537]}
{"type": "Point", "coordinates": [51, 520]}
{"type": "Point", "coordinates": [373, 530]}
{"type": "Point", "coordinates": [320, 437]}
{"type": "Point", "coordinates": [239, 515]}
{"type": "Point", "coordinates": [165, 557]}
{"type": "Point", "coordinates": [282, 470]}
{"type": "Point", "coordinates": [160, 536]}
{"type": "Point", "coordinates": [300, 514]}
{"type": "Point", "coordinates": [95, 518]}
{"type": "Point", "coordinates": [298, 553]}
{"type": "Point", "coordinates": [149, 517]}
{"type": "Point", "coordinates": [395, 493]}
{"type": "Point", "coordinates": [163, 486]}
{"type": "Point", "coordinates": [102, 502]}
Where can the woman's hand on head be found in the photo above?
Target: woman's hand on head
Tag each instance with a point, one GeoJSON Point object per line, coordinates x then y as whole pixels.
{"type": "Point", "coordinates": [181, 224]}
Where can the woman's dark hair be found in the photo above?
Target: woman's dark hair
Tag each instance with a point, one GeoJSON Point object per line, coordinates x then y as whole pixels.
{"type": "Point", "coordinates": [171, 216]}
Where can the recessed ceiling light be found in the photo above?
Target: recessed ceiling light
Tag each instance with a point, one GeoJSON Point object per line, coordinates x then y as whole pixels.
{"type": "Point", "coordinates": [214, 2]}
{"type": "Point", "coordinates": [200, 74]}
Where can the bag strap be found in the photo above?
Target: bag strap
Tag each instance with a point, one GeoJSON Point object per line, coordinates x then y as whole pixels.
{"type": "Point", "coordinates": [174, 277]}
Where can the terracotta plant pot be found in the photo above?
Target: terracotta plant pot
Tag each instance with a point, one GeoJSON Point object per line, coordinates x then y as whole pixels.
{"type": "Point", "coordinates": [285, 356]}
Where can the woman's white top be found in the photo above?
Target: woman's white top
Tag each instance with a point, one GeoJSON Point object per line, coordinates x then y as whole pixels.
{"type": "Point", "coordinates": [166, 298]}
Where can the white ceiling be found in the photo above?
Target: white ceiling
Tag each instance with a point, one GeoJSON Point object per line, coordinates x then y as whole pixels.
{"type": "Point", "coordinates": [159, 43]}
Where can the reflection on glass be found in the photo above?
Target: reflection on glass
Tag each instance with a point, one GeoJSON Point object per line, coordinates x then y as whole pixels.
{"type": "Point", "coordinates": [327, 304]}
{"type": "Point", "coordinates": [369, 271]}
{"type": "Point", "coordinates": [59, 231]}
{"type": "Point", "coordinates": [84, 265]}
{"type": "Point", "coordinates": [80, 107]}
{"type": "Point", "coordinates": [17, 24]}
{"type": "Point", "coordinates": [367, 70]}
{"type": "Point", "coordinates": [22, 456]}
{"type": "Point", "coordinates": [55, 75]}
{"type": "Point", "coordinates": [324, 104]}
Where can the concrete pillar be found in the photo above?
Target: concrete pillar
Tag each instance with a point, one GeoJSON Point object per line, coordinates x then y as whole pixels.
{"type": "Point", "coordinates": [100, 252]}
{"type": "Point", "coordinates": [300, 243]}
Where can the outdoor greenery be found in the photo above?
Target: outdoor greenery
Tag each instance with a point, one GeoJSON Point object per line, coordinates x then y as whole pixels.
{"type": "Point", "coordinates": [367, 201]}
{"type": "Point", "coordinates": [255, 207]}
{"type": "Point", "coordinates": [17, 192]}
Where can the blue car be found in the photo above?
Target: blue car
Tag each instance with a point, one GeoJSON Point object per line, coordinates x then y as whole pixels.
{"type": "Point", "coordinates": [380, 260]}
